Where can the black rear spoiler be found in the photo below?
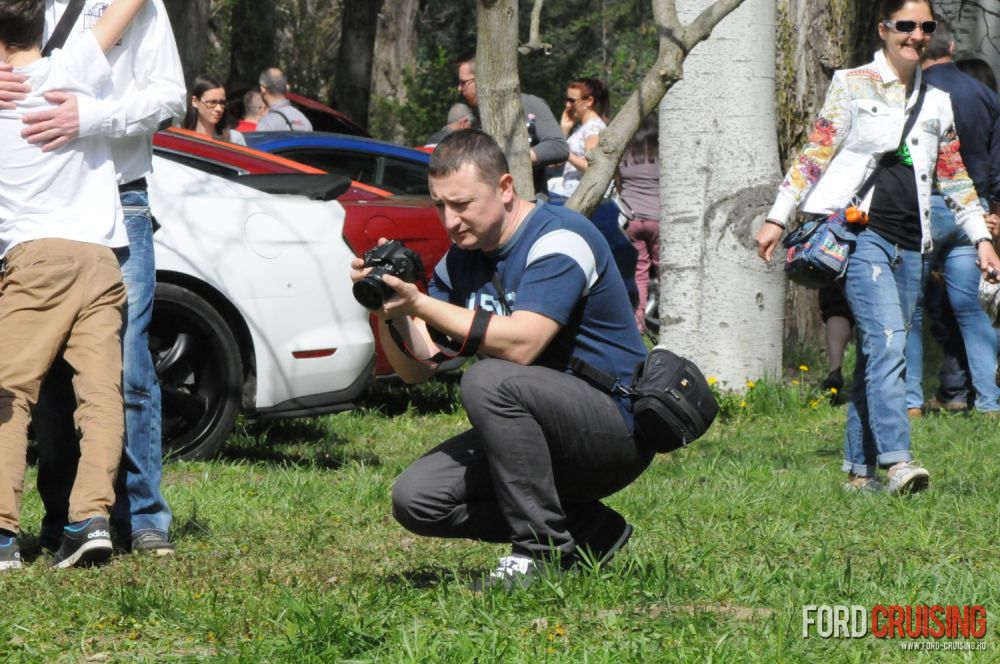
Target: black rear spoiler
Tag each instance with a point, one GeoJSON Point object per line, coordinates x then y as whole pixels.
{"type": "Point", "coordinates": [318, 187]}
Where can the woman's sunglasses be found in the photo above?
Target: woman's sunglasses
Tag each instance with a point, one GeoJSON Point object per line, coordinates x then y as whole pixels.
{"type": "Point", "coordinates": [906, 27]}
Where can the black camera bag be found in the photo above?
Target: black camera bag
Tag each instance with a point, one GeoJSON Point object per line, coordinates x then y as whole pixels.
{"type": "Point", "coordinates": [672, 403]}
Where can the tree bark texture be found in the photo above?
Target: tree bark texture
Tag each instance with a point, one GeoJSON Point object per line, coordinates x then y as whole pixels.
{"type": "Point", "coordinates": [395, 54]}
{"type": "Point", "coordinates": [976, 24]}
{"type": "Point", "coordinates": [359, 23]}
{"type": "Point", "coordinates": [498, 87]}
{"type": "Point", "coordinates": [720, 304]}
{"type": "Point", "coordinates": [252, 42]}
{"type": "Point", "coordinates": [189, 20]}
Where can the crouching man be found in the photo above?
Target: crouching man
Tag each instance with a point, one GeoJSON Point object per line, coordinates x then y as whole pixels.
{"type": "Point", "coordinates": [526, 286]}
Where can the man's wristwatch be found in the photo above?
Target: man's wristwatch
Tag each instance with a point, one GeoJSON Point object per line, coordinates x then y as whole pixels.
{"type": "Point", "coordinates": [981, 240]}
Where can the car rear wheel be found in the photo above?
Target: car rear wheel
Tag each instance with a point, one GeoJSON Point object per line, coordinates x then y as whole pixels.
{"type": "Point", "coordinates": [200, 372]}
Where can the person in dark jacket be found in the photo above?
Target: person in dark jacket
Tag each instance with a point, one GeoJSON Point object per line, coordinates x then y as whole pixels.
{"type": "Point", "coordinates": [971, 356]}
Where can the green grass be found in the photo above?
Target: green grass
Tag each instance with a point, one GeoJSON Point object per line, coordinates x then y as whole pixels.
{"type": "Point", "coordinates": [288, 552]}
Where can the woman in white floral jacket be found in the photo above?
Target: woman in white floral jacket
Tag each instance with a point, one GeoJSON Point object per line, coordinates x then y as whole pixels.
{"type": "Point", "coordinates": [860, 126]}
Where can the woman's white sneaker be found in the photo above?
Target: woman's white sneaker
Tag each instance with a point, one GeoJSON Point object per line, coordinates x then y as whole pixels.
{"type": "Point", "coordinates": [907, 477]}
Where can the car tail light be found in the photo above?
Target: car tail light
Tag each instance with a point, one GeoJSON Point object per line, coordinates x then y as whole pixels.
{"type": "Point", "coordinates": [311, 354]}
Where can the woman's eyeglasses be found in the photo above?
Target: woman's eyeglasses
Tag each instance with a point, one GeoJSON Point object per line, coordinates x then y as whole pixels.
{"type": "Point", "coordinates": [213, 103]}
{"type": "Point", "coordinates": [906, 27]}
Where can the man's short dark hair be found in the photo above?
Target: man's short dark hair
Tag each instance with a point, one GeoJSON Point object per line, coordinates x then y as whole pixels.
{"type": "Point", "coordinates": [469, 146]}
{"type": "Point", "coordinates": [274, 81]}
{"type": "Point", "coordinates": [21, 23]}
{"type": "Point", "coordinates": [941, 40]}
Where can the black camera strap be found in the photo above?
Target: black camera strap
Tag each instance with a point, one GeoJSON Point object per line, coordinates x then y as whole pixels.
{"type": "Point", "coordinates": [470, 346]}
{"type": "Point", "coordinates": [598, 378]}
{"type": "Point", "coordinates": [59, 35]}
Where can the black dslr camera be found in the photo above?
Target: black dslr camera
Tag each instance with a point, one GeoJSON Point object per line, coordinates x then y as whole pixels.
{"type": "Point", "coordinates": [393, 258]}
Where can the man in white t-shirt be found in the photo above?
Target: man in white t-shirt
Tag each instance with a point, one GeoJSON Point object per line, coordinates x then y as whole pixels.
{"type": "Point", "coordinates": [61, 289]}
{"type": "Point", "coordinates": [146, 88]}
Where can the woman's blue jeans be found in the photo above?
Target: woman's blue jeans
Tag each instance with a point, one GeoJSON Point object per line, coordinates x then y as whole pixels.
{"type": "Point", "coordinates": [957, 257]}
{"type": "Point", "coordinates": [882, 284]}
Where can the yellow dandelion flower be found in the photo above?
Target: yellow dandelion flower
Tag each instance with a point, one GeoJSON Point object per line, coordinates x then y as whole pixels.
{"type": "Point", "coordinates": [751, 384]}
{"type": "Point", "coordinates": [795, 382]}
{"type": "Point", "coordinates": [833, 390]}
{"type": "Point", "coordinates": [743, 404]}
{"type": "Point", "coordinates": [712, 380]}
{"type": "Point", "coordinates": [803, 367]}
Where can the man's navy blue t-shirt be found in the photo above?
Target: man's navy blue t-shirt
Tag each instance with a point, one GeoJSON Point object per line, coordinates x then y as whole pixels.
{"type": "Point", "coordinates": [556, 264]}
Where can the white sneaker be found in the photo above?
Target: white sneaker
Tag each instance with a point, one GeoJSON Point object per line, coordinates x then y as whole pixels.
{"type": "Point", "coordinates": [513, 571]}
{"type": "Point", "coordinates": [907, 477]}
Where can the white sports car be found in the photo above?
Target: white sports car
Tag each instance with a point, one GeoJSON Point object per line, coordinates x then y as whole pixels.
{"type": "Point", "coordinates": [253, 309]}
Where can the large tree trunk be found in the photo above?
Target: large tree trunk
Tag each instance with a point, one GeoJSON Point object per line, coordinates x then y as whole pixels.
{"type": "Point", "coordinates": [189, 19]}
{"type": "Point", "coordinates": [354, 62]}
{"type": "Point", "coordinates": [252, 40]}
{"type": "Point", "coordinates": [395, 53]}
{"type": "Point", "coordinates": [498, 87]}
{"type": "Point", "coordinates": [720, 305]}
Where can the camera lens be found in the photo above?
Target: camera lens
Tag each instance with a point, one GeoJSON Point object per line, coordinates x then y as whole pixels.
{"type": "Point", "coordinates": [370, 292]}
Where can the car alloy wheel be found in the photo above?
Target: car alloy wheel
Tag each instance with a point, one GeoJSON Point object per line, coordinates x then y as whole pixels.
{"type": "Point", "coordinates": [198, 365]}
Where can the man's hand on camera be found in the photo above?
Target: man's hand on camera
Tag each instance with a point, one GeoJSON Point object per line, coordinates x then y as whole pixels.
{"type": "Point", "coordinates": [12, 87]}
{"type": "Point", "coordinates": [54, 127]}
{"type": "Point", "coordinates": [405, 302]}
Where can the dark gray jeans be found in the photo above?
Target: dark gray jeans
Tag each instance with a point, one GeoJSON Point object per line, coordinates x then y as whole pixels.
{"type": "Point", "coordinates": [545, 447]}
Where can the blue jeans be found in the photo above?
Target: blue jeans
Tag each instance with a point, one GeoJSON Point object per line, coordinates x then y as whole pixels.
{"type": "Point", "coordinates": [956, 256]}
{"type": "Point", "coordinates": [139, 503]}
{"type": "Point", "coordinates": [881, 286]}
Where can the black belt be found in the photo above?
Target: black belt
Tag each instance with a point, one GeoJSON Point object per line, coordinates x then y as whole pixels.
{"type": "Point", "coordinates": [134, 185]}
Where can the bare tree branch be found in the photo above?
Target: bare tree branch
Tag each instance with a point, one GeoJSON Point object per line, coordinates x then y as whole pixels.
{"type": "Point", "coordinates": [535, 42]}
{"type": "Point", "coordinates": [667, 70]}
{"type": "Point", "coordinates": [702, 27]}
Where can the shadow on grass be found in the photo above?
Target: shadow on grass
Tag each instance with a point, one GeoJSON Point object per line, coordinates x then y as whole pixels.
{"type": "Point", "coordinates": [392, 397]}
{"type": "Point", "coordinates": [191, 527]}
{"type": "Point", "coordinates": [430, 576]}
{"type": "Point", "coordinates": [298, 443]}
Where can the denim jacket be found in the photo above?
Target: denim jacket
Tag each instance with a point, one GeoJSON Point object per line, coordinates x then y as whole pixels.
{"type": "Point", "coordinates": [862, 119]}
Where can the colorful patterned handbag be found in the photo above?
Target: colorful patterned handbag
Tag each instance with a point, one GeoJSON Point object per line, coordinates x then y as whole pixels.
{"type": "Point", "coordinates": [818, 250]}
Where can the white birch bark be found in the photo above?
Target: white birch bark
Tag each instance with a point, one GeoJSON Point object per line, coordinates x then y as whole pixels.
{"type": "Point", "coordinates": [720, 305]}
{"type": "Point", "coordinates": [977, 28]}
